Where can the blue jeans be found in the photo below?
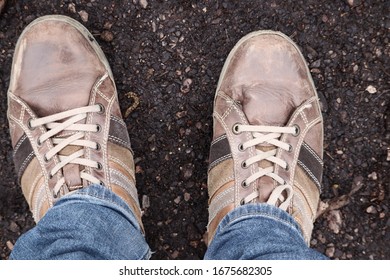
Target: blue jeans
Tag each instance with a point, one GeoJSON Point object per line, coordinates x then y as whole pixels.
{"type": "Point", "coordinates": [94, 223]}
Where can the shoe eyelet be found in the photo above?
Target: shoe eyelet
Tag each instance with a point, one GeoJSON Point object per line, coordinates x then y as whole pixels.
{"type": "Point", "coordinates": [290, 148]}
{"type": "Point", "coordinates": [287, 167]}
{"type": "Point", "coordinates": [242, 202]}
{"type": "Point", "coordinates": [235, 129]}
{"type": "Point", "coordinates": [29, 124]}
{"type": "Point", "coordinates": [50, 176]}
{"type": "Point", "coordinates": [45, 158]}
{"type": "Point", "coordinates": [102, 108]}
{"type": "Point", "coordinates": [101, 183]}
{"type": "Point", "coordinates": [99, 166]}
{"type": "Point", "coordinates": [244, 184]}
{"type": "Point", "coordinates": [244, 165]}
{"type": "Point", "coordinates": [241, 147]}
{"type": "Point", "coordinates": [297, 130]}
{"type": "Point", "coordinates": [98, 147]}
{"type": "Point", "coordinates": [39, 143]}
{"type": "Point", "coordinates": [98, 128]}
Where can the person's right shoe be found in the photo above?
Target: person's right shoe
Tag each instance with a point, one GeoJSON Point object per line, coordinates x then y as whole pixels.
{"type": "Point", "coordinates": [268, 132]}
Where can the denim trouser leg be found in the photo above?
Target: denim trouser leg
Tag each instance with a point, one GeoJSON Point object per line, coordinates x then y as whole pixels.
{"type": "Point", "coordinates": [92, 223]}
{"type": "Point", "coordinates": [259, 231]}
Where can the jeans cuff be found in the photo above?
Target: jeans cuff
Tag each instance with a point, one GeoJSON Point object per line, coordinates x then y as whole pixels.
{"type": "Point", "coordinates": [259, 210]}
{"type": "Point", "coordinates": [101, 195]}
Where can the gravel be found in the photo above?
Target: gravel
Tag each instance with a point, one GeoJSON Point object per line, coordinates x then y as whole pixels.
{"type": "Point", "coordinates": [170, 53]}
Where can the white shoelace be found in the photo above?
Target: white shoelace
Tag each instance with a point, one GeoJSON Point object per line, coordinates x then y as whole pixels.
{"type": "Point", "coordinates": [267, 134]}
{"type": "Point", "coordinates": [77, 131]}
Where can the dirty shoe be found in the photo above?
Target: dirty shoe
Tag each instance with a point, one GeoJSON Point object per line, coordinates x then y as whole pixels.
{"type": "Point", "coordinates": [65, 122]}
{"type": "Point", "coordinates": [268, 132]}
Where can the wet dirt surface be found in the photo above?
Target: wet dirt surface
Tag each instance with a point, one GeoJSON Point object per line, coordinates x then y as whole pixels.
{"type": "Point", "coordinates": [169, 55]}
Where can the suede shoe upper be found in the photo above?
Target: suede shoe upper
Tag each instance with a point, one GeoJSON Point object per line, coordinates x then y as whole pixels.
{"type": "Point", "coordinates": [65, 122]}
{"type": "Point", "coordinates": [267, 142]}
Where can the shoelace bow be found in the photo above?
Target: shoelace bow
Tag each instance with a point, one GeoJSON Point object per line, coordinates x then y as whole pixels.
{"type": "Point", "coordinates": [271, 135]}
{"type": "Point", "coordinates": [77, 131]}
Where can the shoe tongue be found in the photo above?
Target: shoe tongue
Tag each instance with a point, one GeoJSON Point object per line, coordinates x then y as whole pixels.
{"type": "Point", "coordinates": [57, 91]}
{"type": "Point", "coordinates": [263, 105]}
{"type": "Point", "coordinates": [266, 106]}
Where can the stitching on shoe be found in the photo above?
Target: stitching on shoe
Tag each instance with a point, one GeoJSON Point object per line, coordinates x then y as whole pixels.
{"type": "Point", "coordinates": [299, 144]}
{"type": "Point", "coordinates": [229, 133]}
{"type": "Point", "coordinates": [119, 141]}
{"type": "Point", "coordinates": [39, 201]}
{"type": "Point", "coordinates": [121, 163]}
{"type": "Point", "coordinates": [310, 174]}
{"type": "Point", "coordinates": [25, 162]}
{"type": "Point", "coordinates": [219, 160]}
{"type": "Point", "coordinates": [217, 207]}
{"type": "Point", "coordinates": [33, 185]}
{"type": "Point", "coordinates": [119, 121]}
{"type": "Point", "coordinates": [99, 83]}
{"type": "Point", "coordinates": [228, 111]}
{"type": "Point", "coordinates": [28, 133]}
{"type": "Point", "coordinates": [132, 194]}
{"type": "Point", "coordinates": [305, 194]}
{"type": "Point", "coordinates": [89, 118]}
{"type": "Point", "coordinates": [302, 107]}
{"type": "Point", "coordinates": [314, 154]}
{"type": "Point", "coordinates": [300, 209]}
{"type": "Point", "coordinates": [21, 116]}
{"type": "Point", "coordinates": [21, 140]}
{"type": "Point", "coordinates": [103, 95]}
{"type": "Point", "coordinates": [223, 136]}
{"type": "Point", "coordinates": [304, 117]}
{"type": "Point", "coordinates": [131, 190]}
{"type": "Point", "coordinates": [115, 172]}
{"type": "Point", "coordinates": [226, 180]}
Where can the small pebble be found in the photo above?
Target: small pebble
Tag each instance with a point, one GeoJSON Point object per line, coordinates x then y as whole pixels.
{"type": "Point", "coordinates": [175, 254]}
{"type": "Point", "coordinates": [143, 3]}
{"type": "Point", "coordinates": [72, 8]}
{"type": "Point", "coordinates": [9, 244]}
{"type": "Point", "coordinates": [177, 200]}
{"type": "Point", "coordinates": [371, 89]}
{"type": "Point", "coordinates": [187, 172]}
{"type": "Point", "coordinates": [373, 176]}
{"type": "Point", "coordinates": [107, 36]}
{"type": "Point", "coordinates": [187, 196]}
{"type": "Point", "coordinates": [84, 15]}
{"type": "Point", "coordinates": [185, 88]}
{"type": "Point", "coordinates": [371, 210]}
{"type": "Point", "coordinates": [13, 227]}
{"type": "Point", "coordinates": [354, 3]}
{"type": "Point", "coordinates": [334, 220]}
{"type": "Point", "coordinates": [330, 251]}
{"type": "Point", "coordinates": [145, 201]}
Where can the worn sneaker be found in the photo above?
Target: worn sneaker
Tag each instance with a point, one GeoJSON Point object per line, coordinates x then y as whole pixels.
{"type": "Point", "coordinates": [65, 123]}
{"type": "Point", "coordinates": [268, 132]}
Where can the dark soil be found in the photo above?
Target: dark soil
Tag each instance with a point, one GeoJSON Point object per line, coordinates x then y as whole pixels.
{"type": "Point", "coordinates": [170, 54]}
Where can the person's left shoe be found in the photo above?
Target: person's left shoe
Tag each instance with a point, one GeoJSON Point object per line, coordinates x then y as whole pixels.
{"type": "Point", "coordinates": [65, 123]}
